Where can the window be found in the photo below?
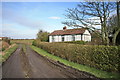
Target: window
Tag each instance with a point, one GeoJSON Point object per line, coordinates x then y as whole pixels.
{"type": "Point", "coordinates": [62, 38]}
{"type": "Point", "coordinates": [53, 39]}
{"type": "Point", "coordinates": [73, 37]}
{"type": "Point", "coordinates": [81, 37]}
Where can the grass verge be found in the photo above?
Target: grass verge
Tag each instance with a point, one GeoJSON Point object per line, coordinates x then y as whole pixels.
{"type": "Point", "coordinates": [8, 52]}
{"type": "Point", "coordinates": [24, 48]}
{"type": "Point", "coordinates": [93, 71]}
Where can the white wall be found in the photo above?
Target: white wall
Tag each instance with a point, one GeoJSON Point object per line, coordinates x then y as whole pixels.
{"type": "Point", "coordinates": [50, 38]}
{"type": "Point", "coordinates": [86, 36]}
{"type": "Point", "coordinates": [87, 32]}
{"type": "Point", "coordinates": [68, 38]}
{"type": "Point", "coordinates": [58, 38]}
{"type": "Point", "coordinates": [77, 37]}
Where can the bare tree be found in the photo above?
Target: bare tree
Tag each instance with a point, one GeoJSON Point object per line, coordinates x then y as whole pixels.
{"type": "Point", "coordinates": [85, 10]}
{"type": "Point", "coordinates": [118, 24]}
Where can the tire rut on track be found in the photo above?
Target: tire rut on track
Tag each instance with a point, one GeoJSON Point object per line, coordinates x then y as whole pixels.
{"type": "Point", "coordinates": [41, 68]}
{"type": "Point", "coordinates": [25, 64]}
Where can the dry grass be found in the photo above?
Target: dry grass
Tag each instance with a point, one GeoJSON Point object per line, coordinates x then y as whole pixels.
{"type": "Point", "coordinates": [22, 41]}
{"type": "Point", "coordinates": [3, 45]}
{"type": "Point", "coordinates": [5, 54]}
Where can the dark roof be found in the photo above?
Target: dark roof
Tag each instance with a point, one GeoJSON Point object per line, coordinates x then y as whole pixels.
{"type": "Point", "coordinates": [68, 31]}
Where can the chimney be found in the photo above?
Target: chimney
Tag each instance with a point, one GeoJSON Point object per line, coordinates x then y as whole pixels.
{"type": "Point", "coordinates": [64, 28]}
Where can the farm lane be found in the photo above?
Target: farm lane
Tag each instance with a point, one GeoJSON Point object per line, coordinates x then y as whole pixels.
{"type": "Point", "coordinates": [33, 65]}
{"type": "Point", "coordinates": [40, 67]}
{"type": "Point", "coordinates": [30, 65]}
{"type": "Point", "coordinates": [12, 67]}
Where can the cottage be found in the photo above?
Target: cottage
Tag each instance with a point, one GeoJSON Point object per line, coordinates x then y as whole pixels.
{"type": "Point", "coordinates": [70, 35]}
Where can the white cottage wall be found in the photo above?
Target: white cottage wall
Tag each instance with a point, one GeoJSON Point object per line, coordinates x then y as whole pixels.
{"type": "Point", "coordinates": [68, 38]}
{"type": "Point", "coordinates": [58, 38]}
{"type": "Point", "coordinates": [50, 38]}
{"type": "Point", "coordinates": [77, 37]}
{"type": "Point", "coordinates": [86, 36]}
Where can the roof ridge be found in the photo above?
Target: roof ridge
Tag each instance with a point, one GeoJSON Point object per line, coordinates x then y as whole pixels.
{"type": "Point", "coordinates": [69, 31]}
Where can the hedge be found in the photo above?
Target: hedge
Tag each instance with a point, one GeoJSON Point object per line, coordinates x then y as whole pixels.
{"type": "Point", "coordinates": [98, 56]}
{"type": "Point", "coordinates": [75, 42]}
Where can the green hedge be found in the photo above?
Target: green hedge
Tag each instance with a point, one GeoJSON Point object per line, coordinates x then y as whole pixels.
{"type": "Point", "coordinates": [75, 42]}
{"type": "Point", "coordinates": [101, 57]}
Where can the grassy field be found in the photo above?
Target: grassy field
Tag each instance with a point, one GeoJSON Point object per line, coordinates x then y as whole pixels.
{"type": "Point", "coordinates": [93, 71]}
{"type": "Point", "coordinates": [22, 41]}
{"type": "Point", "coordinates": [7, 53]}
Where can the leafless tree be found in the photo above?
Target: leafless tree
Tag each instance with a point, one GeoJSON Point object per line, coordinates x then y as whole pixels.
{"type": "Point", "coordinates": [85, 10]}
{"type": "Point", "coordinates": [117, 31]}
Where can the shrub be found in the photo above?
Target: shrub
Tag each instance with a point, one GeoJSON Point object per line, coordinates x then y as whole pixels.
{"type": "Point", "coordinates": [101, 57]}
{"type": "Point", "coordinates": [4, 45]}
{"type": "Point", "coordinates": [3, 49]}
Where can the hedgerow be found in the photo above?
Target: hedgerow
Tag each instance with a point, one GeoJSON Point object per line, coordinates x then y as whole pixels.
{"type": "Point", "coordinates": [75, 42]}
{"type": "Point", "coordinates": [99, 56]}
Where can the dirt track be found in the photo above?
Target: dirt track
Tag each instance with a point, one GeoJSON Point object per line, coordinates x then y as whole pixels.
{"type": "Point", "coordinates": [12, 67]}
{"type": "Point", "coordinates": [32, 65]}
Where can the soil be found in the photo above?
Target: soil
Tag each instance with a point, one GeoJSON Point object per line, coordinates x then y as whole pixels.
{"type": "Point", "coordinates": [12, 68]}
{"type": "Point", "coordinates": [33, 65]}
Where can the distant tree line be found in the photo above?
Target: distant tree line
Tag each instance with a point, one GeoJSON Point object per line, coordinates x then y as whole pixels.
{"type": "Point", "coordinates": [6, 39]}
